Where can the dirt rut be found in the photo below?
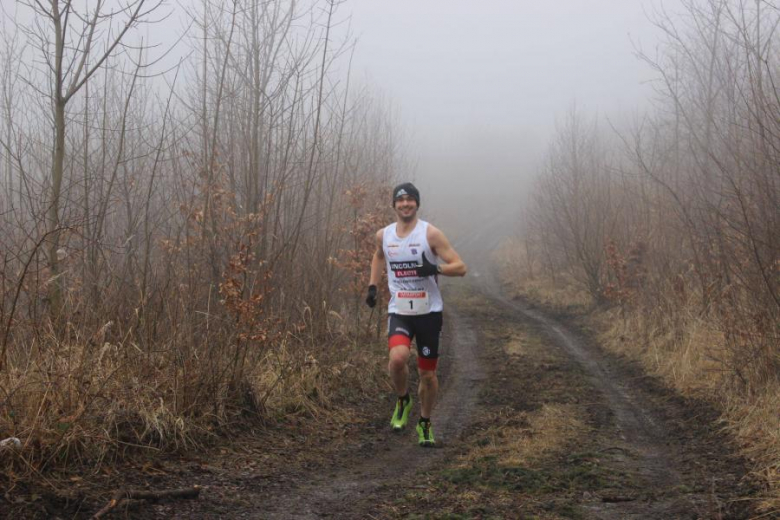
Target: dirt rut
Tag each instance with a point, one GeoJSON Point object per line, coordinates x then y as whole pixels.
{"type": "Point", "coordinates": [639, 446]}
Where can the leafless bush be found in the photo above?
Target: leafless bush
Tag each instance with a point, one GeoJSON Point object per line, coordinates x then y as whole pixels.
{"type": "Point", "coordinates": [573, 209]}
{"type": "Point", "coordinates": [184, 255]}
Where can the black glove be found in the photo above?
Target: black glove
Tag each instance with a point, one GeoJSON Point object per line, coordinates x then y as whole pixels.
{"type": "Point", "coordinates": [427, 268]}
{"type": "Point", "coordinates": [371, 298]}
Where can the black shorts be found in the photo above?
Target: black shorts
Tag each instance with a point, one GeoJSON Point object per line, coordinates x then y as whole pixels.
{"type": "Point", "coordinates": [426, 328]}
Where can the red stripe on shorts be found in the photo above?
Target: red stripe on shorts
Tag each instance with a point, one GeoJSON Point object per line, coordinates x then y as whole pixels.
{"type": "Point", "coordinates": [426, 364]}
{"type": "Point", "coordinates": [398, 339]}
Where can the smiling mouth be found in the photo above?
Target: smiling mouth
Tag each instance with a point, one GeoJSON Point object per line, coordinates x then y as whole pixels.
{"type": "Point", "coordinates": [405, 212]}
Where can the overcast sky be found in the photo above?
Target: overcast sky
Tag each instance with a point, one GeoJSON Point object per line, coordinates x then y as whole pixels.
{"type": "Point", "coordinates": [478, 85]}
{"type": "Point", "coordinates": [454, 63]}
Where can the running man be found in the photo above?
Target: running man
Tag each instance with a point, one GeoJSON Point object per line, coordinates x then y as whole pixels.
{"type": "Point", "coordinates": [414, 253]}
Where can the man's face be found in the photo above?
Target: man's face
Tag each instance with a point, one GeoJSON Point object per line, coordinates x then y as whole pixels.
{"type": "Point", "coordinates": [405, 208]}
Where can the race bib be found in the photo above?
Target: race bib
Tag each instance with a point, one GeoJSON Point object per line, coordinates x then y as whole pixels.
{"type": "Point", "coordinates": [410, 303]}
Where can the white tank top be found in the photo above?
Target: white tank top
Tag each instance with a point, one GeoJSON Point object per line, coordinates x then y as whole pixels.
{"type": "Point", "coordinates": [410, 295]}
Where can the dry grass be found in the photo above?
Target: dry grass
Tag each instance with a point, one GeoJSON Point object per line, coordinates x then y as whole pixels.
{"type": "Point", "coordinates": [515, 346]}
{"type": "Point", "coordinates": [88, 415]}
{"type": "Point", "coordinates": [755, 423]}
{"type": "Point", "coordinates": [82, 406]}
{"type": "Point", "coordinates": [519, 343]}
{"type": "Point", "coordinates": [563, 292]}
{"type": "Point", "coordinates": [525, 439]}
{"type": "Point", "coordinates": [682, 354]}
{"type": "Point", "coordinates": [688, 350]}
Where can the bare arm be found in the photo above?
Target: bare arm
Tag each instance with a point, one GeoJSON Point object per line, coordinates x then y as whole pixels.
{"type": "Point", "coordinates": [377, 261]}
{"type": "Point", "coordinates": [453, 265]}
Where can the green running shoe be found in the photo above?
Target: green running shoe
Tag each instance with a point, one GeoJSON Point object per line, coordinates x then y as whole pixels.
{"type": "Point", "coordinates": [401, 413]}
{"type": "Point", "coordinates": [425, 434]}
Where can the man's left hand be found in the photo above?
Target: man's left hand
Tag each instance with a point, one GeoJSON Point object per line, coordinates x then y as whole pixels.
{"type": "Point", "coordinates": [427, 268]}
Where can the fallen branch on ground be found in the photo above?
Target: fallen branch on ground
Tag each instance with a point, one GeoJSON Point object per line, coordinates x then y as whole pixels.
{"type": "Point", "coordinates": [121, 497]}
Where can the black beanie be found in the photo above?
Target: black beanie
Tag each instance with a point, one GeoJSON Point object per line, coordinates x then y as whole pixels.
{"type": "Point", "coordinates": [406, 188]}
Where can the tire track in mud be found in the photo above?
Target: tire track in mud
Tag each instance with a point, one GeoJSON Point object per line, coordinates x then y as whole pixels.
{"type": "Point", "coordinates": [396, 457]}
{"type": "Point", "coordinates": [639, 443]}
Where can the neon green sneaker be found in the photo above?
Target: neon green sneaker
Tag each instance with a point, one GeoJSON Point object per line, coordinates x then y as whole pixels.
{"type": "Point", "coordinates": [401, 414]}
{"type": "Point", "coordinates": [425, 434]}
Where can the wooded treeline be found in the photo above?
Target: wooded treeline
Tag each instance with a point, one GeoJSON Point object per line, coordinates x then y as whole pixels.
{"type": "Point", "coordinates": [181, 249]}
{"type": "Point", "coordinates": [675, 223]}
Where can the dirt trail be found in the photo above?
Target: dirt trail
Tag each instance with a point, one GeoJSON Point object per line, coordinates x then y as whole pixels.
{"type": "Point", "coordinates": [396, 458]}
{"type": "Point", "coordinates": [639, 445]}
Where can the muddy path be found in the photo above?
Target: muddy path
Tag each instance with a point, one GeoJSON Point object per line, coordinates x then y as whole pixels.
{"type": "Point", "coordinates": [639, 446]}
{"type": "Point", "coordinates": [347, 492]}
{"type": "Point", "coordinates": [636, 452]}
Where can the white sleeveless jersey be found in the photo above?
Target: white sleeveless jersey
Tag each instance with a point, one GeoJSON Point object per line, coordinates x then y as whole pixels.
{"type": "Point", "coordinates": [410, 294]}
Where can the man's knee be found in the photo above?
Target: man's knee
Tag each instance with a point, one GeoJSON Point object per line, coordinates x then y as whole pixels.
{"type": "Point", "coordinates": [427, 377]}
{"type": "Point", "coordinates": [399, 356]}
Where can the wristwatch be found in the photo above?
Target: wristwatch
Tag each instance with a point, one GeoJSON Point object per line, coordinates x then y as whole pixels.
{"type": "Point", "coordinates": [438, 268]}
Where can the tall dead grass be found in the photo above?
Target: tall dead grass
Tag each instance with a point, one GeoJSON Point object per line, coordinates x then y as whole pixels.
{"type": "Point", "coordinates": [75, 404]}
{"type": "Point", "coordinates": [560, 292]}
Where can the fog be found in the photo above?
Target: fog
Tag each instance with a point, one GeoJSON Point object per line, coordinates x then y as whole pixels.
{"type": "Point", "coordinates": [193, 242]}
{"type": "Point", "coordinates": [478, 86]}
{"type": "Point", "coordinates": [475, 87]}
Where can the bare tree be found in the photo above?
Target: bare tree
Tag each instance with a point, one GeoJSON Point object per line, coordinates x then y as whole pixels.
{"type": "Point", "coordinates": [73, 54]}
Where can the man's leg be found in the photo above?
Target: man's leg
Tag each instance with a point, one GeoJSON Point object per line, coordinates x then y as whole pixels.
{"type": "Point", "coordinates": [428, 339]}
{"type": "Point", "coordinates": [399, 373]}
{"type": "Point", "coordinates": [428, 390]}
{"type": "Point", "coordinates": [399, 341]}
{"type": "Point", "coordinates": [398, 368]}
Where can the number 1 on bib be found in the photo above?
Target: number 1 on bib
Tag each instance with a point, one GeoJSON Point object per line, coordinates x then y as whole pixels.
{"type": "Point", "coordinates": [418, 303]}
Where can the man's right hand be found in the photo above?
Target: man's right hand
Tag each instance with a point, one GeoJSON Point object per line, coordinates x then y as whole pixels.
{"type": "Point", "coordinates": [371, 298]}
